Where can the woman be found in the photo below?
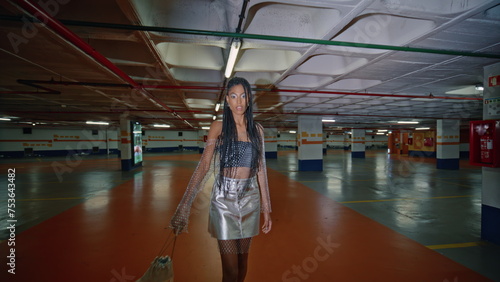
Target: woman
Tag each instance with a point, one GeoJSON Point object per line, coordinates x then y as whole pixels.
{"type": "Point", "coordinates": [235, 153]}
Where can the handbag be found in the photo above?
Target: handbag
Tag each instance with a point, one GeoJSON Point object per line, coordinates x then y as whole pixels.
{"type": "Point", "coordinates": [161, 268]}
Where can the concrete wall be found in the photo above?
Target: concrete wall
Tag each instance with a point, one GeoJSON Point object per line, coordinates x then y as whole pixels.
{"type": "Point", "coordinates": [60, 142]}
{"type": "Point", "coordinates": [287, 140]}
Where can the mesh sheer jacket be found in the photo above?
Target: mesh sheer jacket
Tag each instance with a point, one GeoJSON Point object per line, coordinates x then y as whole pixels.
{"type": "Point", "coordinates": [209, 166]}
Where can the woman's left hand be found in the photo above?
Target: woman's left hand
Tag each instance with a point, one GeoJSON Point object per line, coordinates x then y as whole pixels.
{"type": "Point", "coordinates": [266, 227]}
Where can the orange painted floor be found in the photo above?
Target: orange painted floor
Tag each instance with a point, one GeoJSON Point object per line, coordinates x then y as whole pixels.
{"type": "Point", "coordinates": [93, 222]}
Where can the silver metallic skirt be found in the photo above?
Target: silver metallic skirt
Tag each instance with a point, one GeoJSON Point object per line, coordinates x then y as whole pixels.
{"type": "Point", "coordinates": [234, 209]}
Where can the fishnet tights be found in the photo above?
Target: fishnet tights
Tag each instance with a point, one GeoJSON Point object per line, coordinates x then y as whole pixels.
{"type": "Point", "coordinates": [238, 246]}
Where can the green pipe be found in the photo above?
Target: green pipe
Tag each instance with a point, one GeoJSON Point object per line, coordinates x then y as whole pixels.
{"type": "Point", "coordinates": [264, 37]}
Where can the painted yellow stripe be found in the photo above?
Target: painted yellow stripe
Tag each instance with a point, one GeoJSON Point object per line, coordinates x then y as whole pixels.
{"type": "Point", "coordinates": [453, 246]}
{"type": "Point", "coordinates": [52, 199]}
{"type": "Point", "coordinates": [404, 199]}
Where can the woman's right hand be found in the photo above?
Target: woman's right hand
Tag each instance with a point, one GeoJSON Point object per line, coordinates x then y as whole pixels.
{"type": "Point", "coordinates": [178, 223]}
{"type": "Point", "coordinates": [268, 223]}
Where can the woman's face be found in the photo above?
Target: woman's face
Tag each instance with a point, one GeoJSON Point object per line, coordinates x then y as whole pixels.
{"type": "Point", "coordinates": [237, 99]}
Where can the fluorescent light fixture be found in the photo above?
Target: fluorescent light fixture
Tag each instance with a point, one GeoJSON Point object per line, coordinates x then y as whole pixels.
{"type": "Point", "coordinates": [382, 130]}
{"type": "Point", "coordinates": [6, 119]}
{"type": "Point", "coordinates": [479, 88]}
{"type": "Point", "coordinates": [408, 122]}
{"type": "Point", "coordinates": [292, 131]}
{"type": "Point", "coordinates": [206, 127]}
{"type": "Point", "coordinates": [422, 128]}
{"type": "Point", "coordinates": [217, 107]}
{"type": "Point", "coordinates": [137, 131]}
{"type": "Point", "coordinates": [380, 133]}
{"type": "Point", "coordinates": [233, 53]}
{"type": "Point", "coordinates": [214, 117]}
{"type": "Point", "coordinates": [97, 122]}
{"type": "Point", "coordinates": [161, 125]}
{"type": "Point", "coordinates": [328, 120]}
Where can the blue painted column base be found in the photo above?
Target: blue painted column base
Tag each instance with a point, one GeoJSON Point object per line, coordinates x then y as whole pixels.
{"type": "Point", "coordinates": [324, 151]}
{"type": "Point", "coordinates": [271, 155]}
{"type": "Point", "coordinates": [310, 165]}
{"type": "Point", "coordinates": [490, 229]}
{"type": "Point", "coordinates": [360, 155]}
{"type": "Point", "coordinates": [448, 164]}
{"type": "Point", "coordinates": [129, 165]}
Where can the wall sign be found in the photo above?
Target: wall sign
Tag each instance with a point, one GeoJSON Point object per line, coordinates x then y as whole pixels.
{"type": "Point", "coordinates": [492, 106]}
{"type": "Point", "coordinates": [494, 81]}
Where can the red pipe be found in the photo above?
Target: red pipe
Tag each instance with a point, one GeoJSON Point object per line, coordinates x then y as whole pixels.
{"type": "Point", "coordinates": [103, 113]}
{"type": "Point", "coordinates": [67, 34]}
{"type": "Point", "coordinates": [58, 27]}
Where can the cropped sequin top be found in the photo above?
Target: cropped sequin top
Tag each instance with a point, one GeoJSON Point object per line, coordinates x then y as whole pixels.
{"type": "Point", "coordinates": [241, 157]}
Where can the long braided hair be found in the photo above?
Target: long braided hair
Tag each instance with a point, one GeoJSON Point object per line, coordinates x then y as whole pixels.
{"type": "Point", "coordinates": [227, 141]}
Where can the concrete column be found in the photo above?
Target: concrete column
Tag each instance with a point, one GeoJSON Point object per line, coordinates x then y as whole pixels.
{"type": "Point", "coordinates": [347, 142]}
{"type": "Point", "coordinates": [107, 141]}
{"type": "Point", "coordinates": [310, 142]}
{"type": "Point", "coordinates": [358, 143]}
{"type": "Point", "coordinates": [325, 147]}
{"type": "Point", "coordinates": [126, 153]}
{"type": "Point", "coordinates": [490, 208]}
{"type": "Point", "coordinates": [271, 143]}
{"type": "Point", "coordinates": [448, 144]}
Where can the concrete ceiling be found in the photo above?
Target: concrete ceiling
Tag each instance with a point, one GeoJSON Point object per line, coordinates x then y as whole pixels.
{"type": "Point", "coordinates": [366, 64]}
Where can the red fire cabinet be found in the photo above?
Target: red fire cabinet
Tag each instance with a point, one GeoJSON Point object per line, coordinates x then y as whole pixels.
{"type": "Point", "coordinates": [485, 143]}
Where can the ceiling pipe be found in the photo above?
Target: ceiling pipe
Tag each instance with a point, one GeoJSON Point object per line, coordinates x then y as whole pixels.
{"type": "Point", "coordinates": [101, 113]}
{"type": "Point", "coordinates": [350, 115]}
{"type": "Point", "coordinates": [32, 84]}
{"type": "Point", "coordinates": [29, 92]}
{"type": "Point", "coordinates": [72, 83]}
{"type": "Point", "coordinates": [232, 50]}
{"type": "Point", "coordinates": [67, 34]}
{"type": "Point", "coordinates": [265, 37]}
{"type": "Point", "coordinates": [430, 96]}
{"type": "Point", "coordinates": [242, 15]}
{"type": "Point", "coordinates": [35, 83]}
{"type": "Point", "coordinates": [209, 112]}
